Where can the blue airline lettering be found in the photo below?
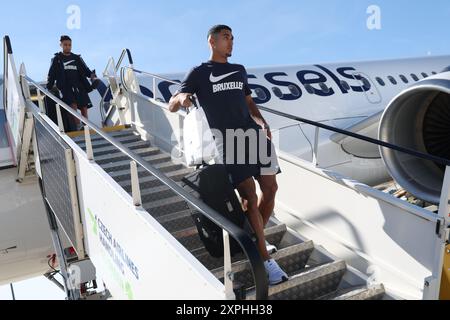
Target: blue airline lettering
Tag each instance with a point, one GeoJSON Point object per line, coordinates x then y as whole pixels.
{"type": "Point", "coordinates": [256, 86]}
{"type": "Point", "coordinates": [302, 75]}
{"type": "Point", "coordinates": [270, 77]}
{"type": "Point", "coordinates": [353, 76]}
{"type": "Point", "coordinates": [164, 88]}
{"type": "Point", "coordinates": [333, 76]}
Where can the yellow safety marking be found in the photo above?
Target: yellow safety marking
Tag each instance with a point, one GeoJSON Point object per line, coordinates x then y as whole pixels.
{"type": "Point", "coordinates": [445, 282]}
{"type": "Point", "coordinates": [75, 134]}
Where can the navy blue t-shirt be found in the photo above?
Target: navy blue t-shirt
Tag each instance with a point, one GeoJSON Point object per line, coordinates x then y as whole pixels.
{"type": "Point", "coordinates": [221, 89]}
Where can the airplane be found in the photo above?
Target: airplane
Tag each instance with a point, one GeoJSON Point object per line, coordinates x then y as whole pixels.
{"type": "Point", "coordinates": [348, 95]}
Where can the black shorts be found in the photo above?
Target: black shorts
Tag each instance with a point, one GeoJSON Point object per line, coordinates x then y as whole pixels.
{"type": "Point", "coordinates": [78, 96]}
{"type": "Point", "coordinates": [254, 162]}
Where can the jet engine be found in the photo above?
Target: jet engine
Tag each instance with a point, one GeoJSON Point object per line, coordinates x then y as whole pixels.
{"type": "Point", "coordinates": [419, 118]}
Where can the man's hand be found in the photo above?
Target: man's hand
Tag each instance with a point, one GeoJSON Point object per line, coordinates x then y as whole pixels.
{"type": "Point", "coordinates": [180, 100]}
{"type": "Point", "coordinates": [268, 132]}
{"type": "Point", "coordinates": [185, 100]}
{"type": "Point", "coordinates": [256, 115]}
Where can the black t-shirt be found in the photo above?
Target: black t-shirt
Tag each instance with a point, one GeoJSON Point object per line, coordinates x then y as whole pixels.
{"type": "Point", "coordinates": [221, 89]}
{"type": "Point", "coordinates": [71, 72]}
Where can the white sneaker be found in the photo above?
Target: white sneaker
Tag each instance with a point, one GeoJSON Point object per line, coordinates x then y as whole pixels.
{"type": "Point", "coordinates": [275, 273]}
{"type": "Point", "coordinates": [270, 248]}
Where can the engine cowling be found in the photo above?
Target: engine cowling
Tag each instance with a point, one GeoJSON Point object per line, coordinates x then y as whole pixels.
{"type": "Point", "coordinates": [419, 119]}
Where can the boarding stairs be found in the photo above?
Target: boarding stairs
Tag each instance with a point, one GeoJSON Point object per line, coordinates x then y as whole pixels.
{"type": "Point", "coordinates": [309, 279]}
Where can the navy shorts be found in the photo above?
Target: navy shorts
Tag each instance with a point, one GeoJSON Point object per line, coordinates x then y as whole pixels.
{"type": "Point", "coordinates": [251, 160]}
{"type": "Point", "coordinates": [76, 95]}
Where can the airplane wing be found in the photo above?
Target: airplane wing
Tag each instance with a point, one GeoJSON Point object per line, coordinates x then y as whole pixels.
{"type": "Point", "coordinates": [361, 149]}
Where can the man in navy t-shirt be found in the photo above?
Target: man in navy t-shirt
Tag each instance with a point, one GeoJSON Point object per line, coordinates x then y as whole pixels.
{"type": "Point", "coordinates": [224, 94]}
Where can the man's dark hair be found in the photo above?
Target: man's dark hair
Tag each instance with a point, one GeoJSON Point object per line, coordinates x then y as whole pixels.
{"type": "Point", "coordinates": [215, 30]}
{"type": "Point", "coordinates": [64, 38]}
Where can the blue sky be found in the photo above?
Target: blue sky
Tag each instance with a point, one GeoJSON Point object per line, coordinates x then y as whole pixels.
{"type": "Point", "coordinates": [170, 36]}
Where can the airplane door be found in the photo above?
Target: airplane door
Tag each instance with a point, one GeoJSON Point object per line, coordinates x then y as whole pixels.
{"type": "Point", "coordinates": [373, 94]}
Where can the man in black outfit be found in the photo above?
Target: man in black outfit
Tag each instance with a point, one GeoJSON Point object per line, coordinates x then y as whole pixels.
{"type": "Point", "coordinates": [224, 94]}
{"type": "Point", "coordinates": [70, 73]}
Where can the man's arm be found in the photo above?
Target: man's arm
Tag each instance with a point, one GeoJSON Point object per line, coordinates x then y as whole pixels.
{"type": "Point", "coordinates": [86, 69]}
{"type": "Point", "coordinates": [51, 78]}
{"type": "Point", "coordinates": [257, 116]}
{"type": "Point", "coordinates": [180, 100]}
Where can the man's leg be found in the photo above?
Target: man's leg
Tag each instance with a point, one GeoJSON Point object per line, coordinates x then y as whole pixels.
{"type": "Point", "coordinates": [268, 185]}
{"type": "Point", "coordinates": [74, 106]}
{"type": "Point", "coordinates": [247, 191]}
{"type": "Point", "coordinates": [84, 112]}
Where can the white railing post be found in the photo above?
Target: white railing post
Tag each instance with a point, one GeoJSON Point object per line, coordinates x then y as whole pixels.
{"type": "Point", "coordinates": [316, 148]}
{"type": "Point", "coordinates": [59, 118]}
{"type": "Point", "coordinates": [40, 101]}
{"type": "Point", "coordinates": [87, 136]}
{"type": "Point", "coordinates": [228, 275]}
{"type": "Point", "coordinates": [135, 188]}
{"type": "Point", "coordinates": [24, 82]}
{"type": "Point", "coordinates": [433, 284]}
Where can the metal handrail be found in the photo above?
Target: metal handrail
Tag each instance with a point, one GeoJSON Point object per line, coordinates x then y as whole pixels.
{"type": "Point", "coordinates": [118, 64]}
{"type": "Point", "coordinates": [241, 236]}
{"type": "Point", "coordinates": [154, 76]}
{"type": "Point", "coordinates": [319, 121]}
{"type": "Point", "coordinates": [7, 49]}
{"type": "Point", "coordinates": [182, 112]}
{"type": "Point", "coordinates": [380, 143]}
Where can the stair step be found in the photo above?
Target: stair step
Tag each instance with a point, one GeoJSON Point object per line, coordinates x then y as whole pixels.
{"type": "Point", "coordinates": [158, 160]}
{"type": "Point", "coordinates": [110, 149]}
{"type": "Point", "coordinates": [115, 134]}
{"type": "Point", "coordinates": [151, 181]}
{"type": "Point", "coordinates": [105, 143]}
{"type": "Point", "coordinates": [193, 242]}
{"type": "Point", "coordinates": [375, 292]}
{"type": "Point", "coordinates": [157, 193]}
{"type": "Point", "coordinates": [176, 221]}
{"type": "Point", "coordinates": [215, 263]}
{"type": "Point", "coordinates": [115, 157]}
{"type": "Point", "coordinates": [290, 259]}
{"type": "Point", "coordinates": [311, 284]}
{"type": "Point", "coordinates": [121, 175]}
{"type": "Point", "coordinates": [166, 206]}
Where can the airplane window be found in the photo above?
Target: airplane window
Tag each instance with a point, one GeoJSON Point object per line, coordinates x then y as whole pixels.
{"type": "Point", "coordinates": [345, 85]}
{"type": "Point", "coordinates": [277, 92]}
{"type": "Point", "coordinates": [309, 89]}
{"type": "Point", "coordinates": [434, 72]}
{"type": "Point", "coordinates": [260, 94]}
{"type": "Point", "coordinates": [392, 80]}
{"type": "Point", "coordinates": [415, 78]}
{"type": "Point", "coordinates": [324, 87]}
{"type": "Point", "coordinates": [380, 81]}
{"type": "Point", "coordinates": [404, 79]}
{"type": "Point", "coordinates": [424, 75]}
{"type": "Point", "coordinates": [294, 91]}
